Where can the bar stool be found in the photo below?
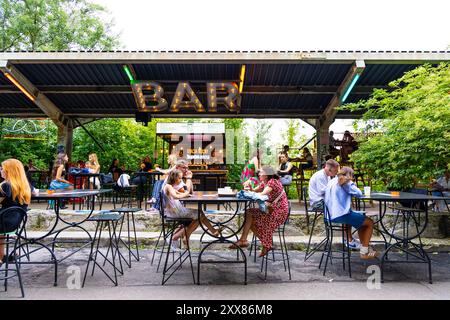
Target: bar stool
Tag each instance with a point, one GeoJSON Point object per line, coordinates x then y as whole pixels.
{"type": "Point", "coordinates": [11, 232]}
{"type": "Point", "coordinates": [317, 211]}
{"type": "Point", "coordinates": [169, 226]}
{"type": "Point", "coordinates": [283, 250]}
{"type": "Point", "coordinates": [344, 253]}
{"type": "Point", "coordinates": [126, 195]}
{"type": "Point", "coordinates": [109, 221]}
{"type": "Point", "coordinates": [126, 213]}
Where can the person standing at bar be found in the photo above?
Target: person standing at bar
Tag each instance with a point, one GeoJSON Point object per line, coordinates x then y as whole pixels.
{"type": "Point", "coordinates": [249, 177]}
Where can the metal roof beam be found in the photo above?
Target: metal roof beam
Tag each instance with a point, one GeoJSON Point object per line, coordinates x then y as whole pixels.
{"type": "Point", "coordinates": [170, 89]}
{"type": "Point", "coordinates": [235, 57]}
{"type": "Point", "coordinates": [41, 100]}
{"type": "Point", "coordinates": [284, 114]}
{"type": "Point", "coordinates": [330, 112]}
{"type": "Point", "coordinates": [79, 122]}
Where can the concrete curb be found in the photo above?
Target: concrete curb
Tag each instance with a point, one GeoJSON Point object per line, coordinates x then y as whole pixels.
{"type": "Point", "coordinates": [148, 239]}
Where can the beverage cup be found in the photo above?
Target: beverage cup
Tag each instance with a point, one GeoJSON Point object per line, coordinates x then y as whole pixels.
{"type": "Point", "coordinates": [367, 191]}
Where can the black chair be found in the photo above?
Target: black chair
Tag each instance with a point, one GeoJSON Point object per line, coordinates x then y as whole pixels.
{"type": "Point", "coordinates": [157, 187]}
{"type": "Point", "coordinates": [317, 211]}
{"type": "Point", "coordinates": [283, 250]}
{"type": "Point", "coordinates": [169, 226]}
{"type": "Point", "coordinates": [344, 253]}
{"type": "Point", "coordinates": [438, 193]}
{"type": "Point", "coordinates": [125, 196]}
{"type": "Point", "coordinates": [110, 222]}
{"type": "Point", "coordinates": [409, 212]}
{"type": "Point", "coordinates": [127, 212]}
{"type": "Point", "coordinates": [12, 224]}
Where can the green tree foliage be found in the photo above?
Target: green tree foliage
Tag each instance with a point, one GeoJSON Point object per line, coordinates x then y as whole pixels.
{"type": "Point", "coordinates": [293, 137]}
{"type": "Point", "coordinates": [54, 25]}
{"type": "Point", "coordinates": [234, 169]}
{"type": "Point", "coordinates": [41, 151]}
{"type": "Point", "coordinates": [49, 25]}
{"type": "Point", "coordinates": [415, 126]}
{"type": "Point", "coordinates": [122, 139]}
{"type": "Point", "coordinates": [292, 131]}
{"type": "Point", "coordinates": [261, 139]}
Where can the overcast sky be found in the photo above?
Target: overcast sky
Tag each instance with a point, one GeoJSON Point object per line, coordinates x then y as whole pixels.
{"type": "Point", "coordinates": [282, 25]}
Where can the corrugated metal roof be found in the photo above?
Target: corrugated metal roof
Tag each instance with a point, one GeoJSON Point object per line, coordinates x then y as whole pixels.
{"type": "Point", "coordinates": [259, 73]}
{"type": "Point", "coordinates": [74, 74]}
{"type": "Point", "coordinates": [295, 74]}
{"type": "Point", "coordinates": [382, 74]}
{"type": "Point", "coordinates": [94, 103]}
{"type": "Point", "coordinates": [17, 103]}
{"type": "Point", "coordinates": [185, 72]}
{"type": "Point", "coordinates": [4, 80]}
{"type": "Point", "coordinates": [300, 103]}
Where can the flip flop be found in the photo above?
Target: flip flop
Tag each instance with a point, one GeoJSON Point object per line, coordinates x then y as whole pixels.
{"type": "Point", "coordinates": [241, 244]}
{"type": "Point", "coordinates": [370, 255]}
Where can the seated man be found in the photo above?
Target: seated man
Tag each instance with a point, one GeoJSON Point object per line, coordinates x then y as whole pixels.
{"type": "Point", "coordinates": [338, 200]}
{"type": "Point", "coordinates": [318, 183]}
{"type": "Point", "coordinates": [316, 190]}
{"type": "Point", "coordinates": [441, 187]}
{"type": "Point", "coordinates": [285, 170]}
{"type": "Point", "coordinates": [186, 182]}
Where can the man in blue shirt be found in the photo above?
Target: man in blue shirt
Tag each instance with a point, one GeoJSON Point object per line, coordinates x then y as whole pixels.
{"type": "Point", "coordinates": [338, 201]}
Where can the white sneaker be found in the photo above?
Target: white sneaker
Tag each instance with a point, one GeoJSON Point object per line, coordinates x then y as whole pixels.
{"type": "Point", "coordinates": [175, 246]}
{"type": "Point", "coordinates": [354, 244]}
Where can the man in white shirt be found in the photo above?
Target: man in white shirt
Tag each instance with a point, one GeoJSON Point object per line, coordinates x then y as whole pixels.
{"type": "Point", "coordinates": [318, 183]}
{"type": "Point", "coordinates": [316, 190]}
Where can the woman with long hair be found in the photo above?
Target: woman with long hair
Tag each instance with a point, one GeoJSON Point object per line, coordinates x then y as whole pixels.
{"type": "Point", "coordinates": [115, 170]}
{"type": "Point", "coordinates": [15, 190]}
{"type": "Point", "coordinates": [173, 207]}
{"type": "Point", "coordinates": [94, 167]}
{"type": "Point", "coordinates": [249, 177]}
{"type": "Point", "coordinates": [172, 162]}
{"type": "Point", "coordinates": [58, 173]}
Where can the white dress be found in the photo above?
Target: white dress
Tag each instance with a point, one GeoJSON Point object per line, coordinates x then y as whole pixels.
{"type": "Point", "coordinates": [173, 208]}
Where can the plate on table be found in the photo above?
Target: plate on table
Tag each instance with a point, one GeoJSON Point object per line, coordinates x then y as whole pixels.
{"type": "Point", "coordinates": [222, 192]}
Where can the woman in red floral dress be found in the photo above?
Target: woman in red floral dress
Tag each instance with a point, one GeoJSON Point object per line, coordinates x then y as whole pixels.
{"type": "Point", "coordinates": [261, 223]}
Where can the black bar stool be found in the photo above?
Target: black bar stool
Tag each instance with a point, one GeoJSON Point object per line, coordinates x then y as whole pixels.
{"type": "Point", "coordinates": [12, 224]}
{"type": "Point", "coordinates": [109, 221]}
{"type": "Point", "coordinates": [283, 250]}
{"type": "Point", "coordinates": [317, 211]}
{"type": "Point", "coordinates": [127, 212]}
{"type": "Point", "coordinates": [170, 225]}
{"type": "Point", "coordinates": [344, 253]}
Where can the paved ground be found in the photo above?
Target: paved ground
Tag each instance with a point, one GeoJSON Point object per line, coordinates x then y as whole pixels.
{"type": "Point", "coordinates": [225, 281]}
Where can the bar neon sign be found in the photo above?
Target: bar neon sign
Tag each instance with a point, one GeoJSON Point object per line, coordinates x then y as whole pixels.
{"type": "Point", "coordinates": [149, 96]}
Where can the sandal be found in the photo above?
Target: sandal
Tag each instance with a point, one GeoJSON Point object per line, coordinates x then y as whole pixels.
{"type": "Point", "coordinates": [264, 251]}
{"type": "Point", "coordinates": [239, 244]}
{"type": "Point", "coordinates": [218, 232]}
{"type": "Point", "coordinates": [372, 254]}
